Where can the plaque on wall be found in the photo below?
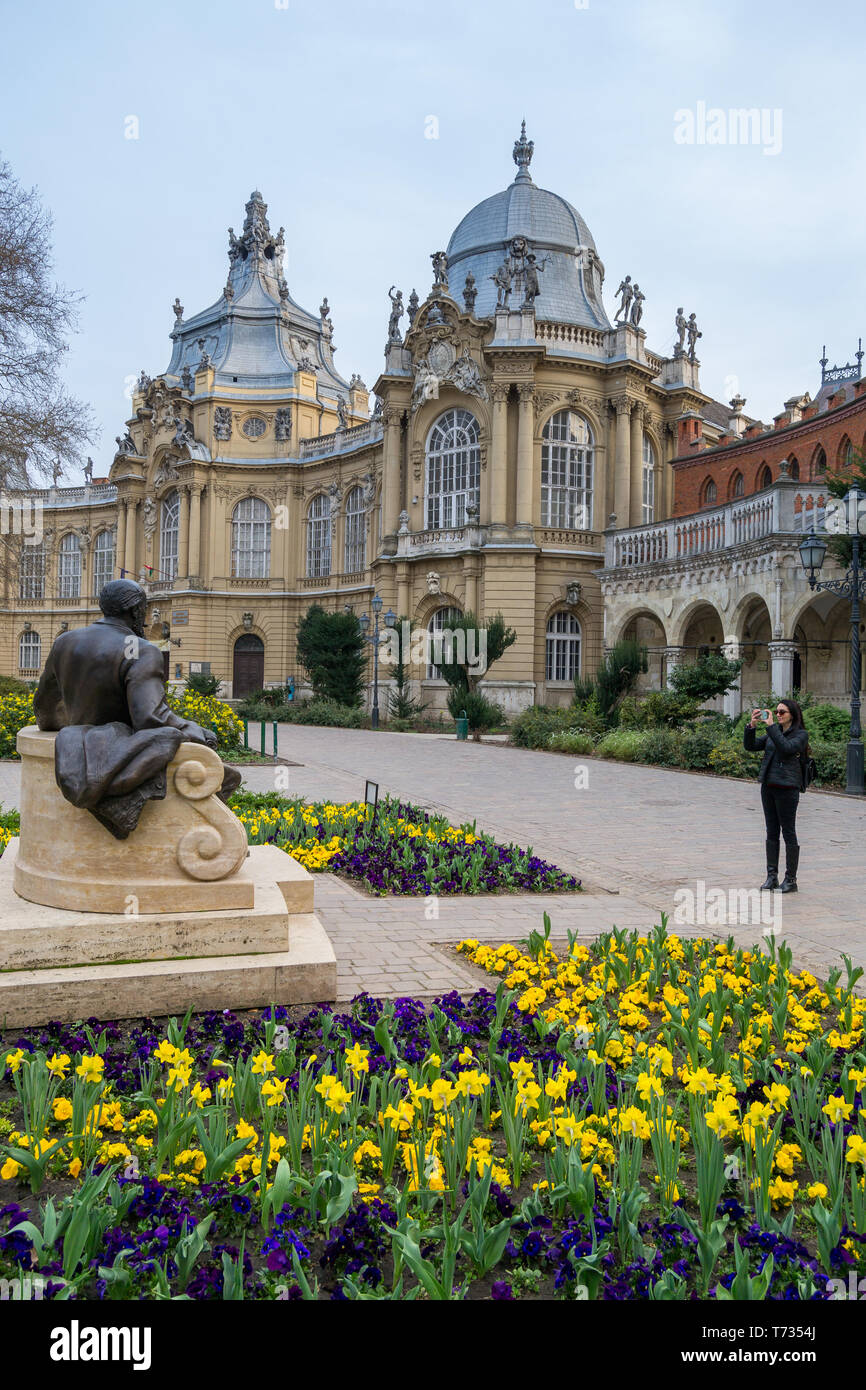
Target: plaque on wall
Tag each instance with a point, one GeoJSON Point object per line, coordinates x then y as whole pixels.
{"type": "Point", "coordinates": [180, 616]}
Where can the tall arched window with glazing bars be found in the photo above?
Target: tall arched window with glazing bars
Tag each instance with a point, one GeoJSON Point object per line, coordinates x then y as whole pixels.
{"type": "Point", "coordinates": [648, 497]}
{"type": "Point", "coordinates": [567, 458]}
{"type": "Point", "coordinates": [31, 572]}
{"type": "Point", "coordinates": [319, 538]}
{"type": "Point", "coordinates": [103, 560]}
{"type": "Point", "coordinates": [168, 533]}
{"type": "Point", "coordinates": [69, 567]}
{"type": "Point", "coordinates": [453, 470]}
{"type": "Point", "coordinates": [251, 539]}
{"type": "Point", "coordinates": [355, 539]}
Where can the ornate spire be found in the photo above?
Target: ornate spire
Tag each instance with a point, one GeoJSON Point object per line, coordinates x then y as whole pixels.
{"type": "Point", "coordinates": [256, 250]}
{"type": "Point", "coordinates": [256, 238]}
{"type": "Point", "coordinates": [522, 155]}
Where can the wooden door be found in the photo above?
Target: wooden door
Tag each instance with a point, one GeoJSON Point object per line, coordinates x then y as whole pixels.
{"type": "Point", "coordinates": [248, 667]}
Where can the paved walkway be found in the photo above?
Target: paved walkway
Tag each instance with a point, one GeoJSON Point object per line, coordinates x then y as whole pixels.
{"type": "Point", "coordinates": [640, 838]}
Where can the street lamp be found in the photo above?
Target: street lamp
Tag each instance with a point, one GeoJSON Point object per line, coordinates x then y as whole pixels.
{"type": "Point", "coordinates": [813, 551]}
{"type": "Point", "coordinates": [364, 621]}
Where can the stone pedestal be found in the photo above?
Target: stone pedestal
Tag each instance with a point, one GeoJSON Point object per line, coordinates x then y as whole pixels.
{"type": "Point", "coordinates": [93, 926]}
{"type": "Point", "coordinates": [186, 854]}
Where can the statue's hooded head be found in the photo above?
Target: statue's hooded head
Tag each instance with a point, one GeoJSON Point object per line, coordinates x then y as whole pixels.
{"type": "Point", "coordinates": [123, 598]}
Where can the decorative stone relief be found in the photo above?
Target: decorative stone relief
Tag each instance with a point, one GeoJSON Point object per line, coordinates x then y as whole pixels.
{"type": "Point", "coordinates": [222, 422]}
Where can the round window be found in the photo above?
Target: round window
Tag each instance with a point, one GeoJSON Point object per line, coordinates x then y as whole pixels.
{"type": "Point", "coordinates": [254, 428]}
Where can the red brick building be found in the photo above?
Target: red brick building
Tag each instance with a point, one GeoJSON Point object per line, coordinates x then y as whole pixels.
{"type": "Point", "coordinates": [720, 459]}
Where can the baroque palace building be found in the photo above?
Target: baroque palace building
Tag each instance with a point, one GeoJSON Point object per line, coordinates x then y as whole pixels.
{"type": "Point", "coordinates": [521, 457]}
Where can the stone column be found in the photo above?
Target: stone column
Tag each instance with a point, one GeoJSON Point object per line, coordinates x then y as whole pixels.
{"type": "Point", "coordinates": [622, 406]}
{"type": "Point", "coordinates": [194, 528]}
{"type": "Point", "coordinates": [183, 534]}
{"type": "Point", "coordinates": [403, 596]}
{"type": "Point", "coordinates": [732, 700]}
{"type": "Point", "coordinates": [525, 471]}
{"type": "Point", "coordinates": [635, 508]}
{"type": "Point", "coordinates": [120, 538]}
{"type": "Point", "coordinates": [470, 575]}
{"type": "Point", "coordinates": [130, 548]}
{"type": "Point", "coordinates": [497, 466]}
{"type": "Point", "coordinates": [673, 657]}
{"type": "Point", "coordinates": [391, 471]}
{"type": "Point", "coordinates": [782, 667]}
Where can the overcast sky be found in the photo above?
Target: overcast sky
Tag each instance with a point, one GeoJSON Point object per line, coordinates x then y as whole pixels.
{"type": "Point", "coordinates": [326, 108]}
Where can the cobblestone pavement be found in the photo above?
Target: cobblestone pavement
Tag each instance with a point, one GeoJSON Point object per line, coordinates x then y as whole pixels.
{"type": "Point", "coordinates": [637, 836]}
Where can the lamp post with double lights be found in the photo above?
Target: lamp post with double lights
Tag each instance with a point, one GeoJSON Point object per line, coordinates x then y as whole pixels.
{"type": "Point", "coordinates": [846, 517]}
{"type": "Point", "coordinates": [364, 621]}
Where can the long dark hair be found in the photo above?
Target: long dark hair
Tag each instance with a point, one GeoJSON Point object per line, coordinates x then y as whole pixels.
{"type": "Point", "coordinates": [797, 720]}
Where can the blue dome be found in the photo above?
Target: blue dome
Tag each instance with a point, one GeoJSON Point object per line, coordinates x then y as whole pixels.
{"type": "Point", "coordinates": [572, 278]}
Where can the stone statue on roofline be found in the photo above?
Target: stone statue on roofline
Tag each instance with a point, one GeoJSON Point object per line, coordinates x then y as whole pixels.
{"type": "Point", "coordinates": [627, 291]}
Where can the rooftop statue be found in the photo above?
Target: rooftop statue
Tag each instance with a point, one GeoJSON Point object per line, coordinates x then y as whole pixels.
{"type": "Point", "coordinates": [103, 689]}
{"type": "Point", "coordinates": [681, 325]}
{"type": "Point", "coordinates": [694, 334]}
{"type": "Point", "coordinates": [637, 305]}
{"type": "Point", "coordinates": [397, 312]}
{"type": "Point", "coordinates": [627, 292]}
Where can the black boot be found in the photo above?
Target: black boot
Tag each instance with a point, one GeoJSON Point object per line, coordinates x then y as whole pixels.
{"type": "Point", "coordinates": [772, 866]}
{"type": "Point", "coordinates": [792, 860]}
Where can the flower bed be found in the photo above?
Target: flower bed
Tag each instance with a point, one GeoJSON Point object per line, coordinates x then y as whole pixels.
{"type": "Point", "coordinates": [645, 1118]}
{"type": "Point", "coordinates": [405, 850]}
{"type": "Point", "coordinates": [16, 712]}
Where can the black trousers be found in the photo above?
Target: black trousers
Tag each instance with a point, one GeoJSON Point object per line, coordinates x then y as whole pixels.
{"type": "Point", "coordinates": [780, 813]}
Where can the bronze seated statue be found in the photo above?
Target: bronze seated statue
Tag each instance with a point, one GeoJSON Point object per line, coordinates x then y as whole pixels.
{"type": "Point", "coordinates": [103, 689]}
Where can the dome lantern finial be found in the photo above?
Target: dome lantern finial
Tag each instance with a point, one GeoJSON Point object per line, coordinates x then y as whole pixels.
{"type": "Point", "coordinates": [522, 155]}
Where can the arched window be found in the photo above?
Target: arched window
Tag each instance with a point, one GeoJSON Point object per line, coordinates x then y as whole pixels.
{"type": "Point", "coordinates": [168, 536]}
{"type": "Point", "coordinates": [251, 539]}
{"type": "Point", "coordinates": [711, 493]}
{"type": "Point", "coordinates": [103, 560]}
{"type": "Point", "coordinates": [453, 469]}
{"type": "Point", "coordinates": [69, 567]}
{"type": "Point", "coordinates": [794, 468]}
{"type": "Point", "coordinates": [846, 453]}
{"type": "Point", "coordinates": [355, 540]}
{"type": "Point", "coordinates": [436, 643]}
{"type": "Point", "coordinates": [649, 481]}
{"type": "Point", "coordinates": [29, 652]}
{"type": "Point", "coordinates": [765, 477]}
{"type": "Point", "coordinates": [567, 453]}
{"type": "Point", "coordinates": [738, 487]}
{"type": "Point", "coordinates": [562, 661]}
{"type": "Point", "coordinates": [319, 538]}
{"type": "Point", "coordinates": [31, 572]}
{"type": "Point", "coordinates": [819, 463]}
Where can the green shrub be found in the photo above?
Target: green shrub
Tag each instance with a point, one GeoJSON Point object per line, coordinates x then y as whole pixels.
{"type": "Point", "coordinates": [697, 743]}
{"type": "Point", "coordinates": [16, 712]}
{"type": "Point", "coordinates": [201, 684]}
{"type": "Point", "coordinates": [209, 713]}
{"type": "Point", "coordinates": [588, 717]}
{"type": "Point", "coordinates": [625, 745]}
{"type": "Point", "coordinates": [618, 672]}
{"type": "Point", "coordinates": [332, 650]}
{"type": "Point", "coordinates": [534, 727]}
{"type": "Point", "coordinates": [730, 759]}
{"type": "Point", "coordinates": [482, 713]}
{"type": "Point", "coordinates": [830, 762]}
{"type": "Point", "coordinates": [324, 713]}
{"type": "Point", "coordinates": [828, 723]}
{"type": "Point", "coordinates": [704, 679]}
{"type": "Point", "coordinates": [661, 747]}
{"type": "Point", "coordinates": [572, 741]}
{"type": "Point", "coordinates": [9, 685]}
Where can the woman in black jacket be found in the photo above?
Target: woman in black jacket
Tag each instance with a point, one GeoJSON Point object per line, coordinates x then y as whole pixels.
{"type": "Point", "coordinates": [784, 746]}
